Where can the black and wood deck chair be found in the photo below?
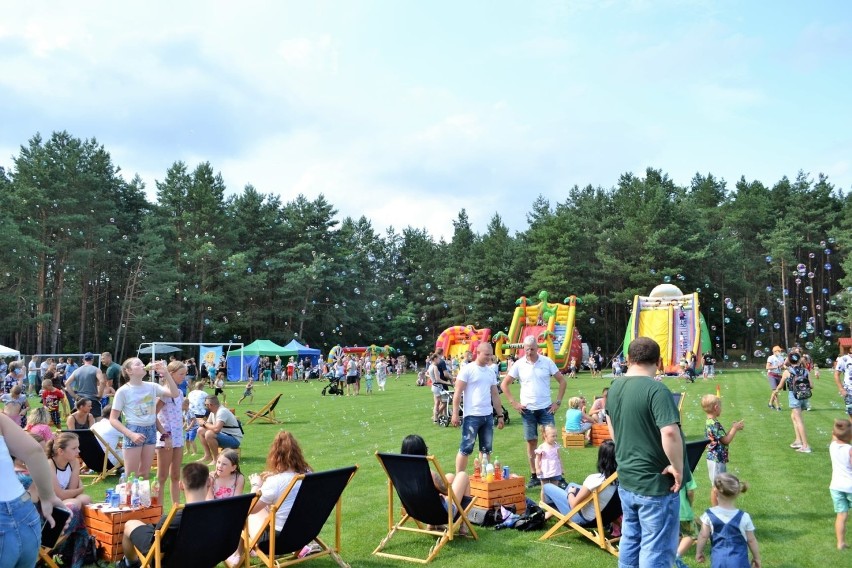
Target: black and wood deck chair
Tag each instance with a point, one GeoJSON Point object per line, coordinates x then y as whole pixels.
{"type": "Point", "coordinates": [694, 450]}
{"type": "Point", "coordinates": [318, 494]}
{"type": "Point", "coordinates": [594, 530]}
{"type": "Point", "coordinates": [51, 537]}
{"type": "Point", "coordinates": [97, 455]}
{"type": "Point", "coordinates": [208, 533]}
{"type": "Point", "coordinates": [267, 413]}
{"type": "Point", "coordinates": [423, 505]}
{"type": "Point", "coordinates": [678, 400]}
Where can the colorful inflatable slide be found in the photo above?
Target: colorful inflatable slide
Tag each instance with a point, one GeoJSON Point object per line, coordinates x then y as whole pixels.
{"type": "Point", "coordinates": [552, 324]}
{"type": "Point", "coordinates": [337, 351]}
{"type": "Point", "coordinates": [671, 318]}
{"type": "Point", "coordinates": [459, 339]}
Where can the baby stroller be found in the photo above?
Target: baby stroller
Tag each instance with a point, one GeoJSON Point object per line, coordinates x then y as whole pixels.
{"type": "Point", "coordinates": [333, 387]}
{"type": "Point", "coordinates": [445, 418]}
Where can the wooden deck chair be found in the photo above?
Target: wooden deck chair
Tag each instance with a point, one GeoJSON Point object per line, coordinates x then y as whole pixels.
{"type": "Point", "coordinates": [423, 504]}
{"type": "Point", "coordinates": [267, 413]}
{"type": "Point", "coordinates": [318, 494]}
{"type": "Point", "coordinates": [103, 460]}
{"type": "Point", "coordinates": [694, 450]}
{"type": "Point", "coordinates": [209, 532]}
{"type": "Point", "coordinates": [51, 541]}
{"type": "Point", "coordinates": [594, 530]}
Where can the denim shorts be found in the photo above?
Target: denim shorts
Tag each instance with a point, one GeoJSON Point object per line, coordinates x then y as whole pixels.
{"type": "Point", "coordinates": [649, 529]}
{"type": "Point", "coordinates": [20, 533]}
{"type": "Point", "coordinates": [227, 441]}
{"type": "Point", "coordinates": [793, 402]}
{"type": "Point", "coordinates": [150, 435]}
{"type": "Point", "coordinates": [473, 426]}
{"type": "Point", "coordinates": [534, 419]}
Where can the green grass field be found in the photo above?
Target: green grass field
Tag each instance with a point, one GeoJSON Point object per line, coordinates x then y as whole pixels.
{"type": "Point", "coordinates": [788, 495]}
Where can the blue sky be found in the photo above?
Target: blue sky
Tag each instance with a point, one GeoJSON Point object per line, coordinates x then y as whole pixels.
{"type": "Point", "coordinates": [408, 111]}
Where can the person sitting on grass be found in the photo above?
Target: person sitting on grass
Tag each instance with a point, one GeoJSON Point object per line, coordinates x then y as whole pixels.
{"type": "Point", "coordinates": [194, 480]}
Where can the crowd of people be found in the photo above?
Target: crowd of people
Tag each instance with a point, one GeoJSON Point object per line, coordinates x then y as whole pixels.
{"type": "Point", "coordinates": [142, 418]}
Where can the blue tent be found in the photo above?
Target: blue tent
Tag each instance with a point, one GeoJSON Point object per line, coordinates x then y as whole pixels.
{"type": "Point", "coordinates": [302, 352]}
{"type": "Point", "coordinates": [252, 353]}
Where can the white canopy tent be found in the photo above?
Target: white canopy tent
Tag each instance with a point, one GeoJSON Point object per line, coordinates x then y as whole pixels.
{"type": "Point", "coordinates": [9, 352]}
{"type": "Point", "coordinates": [153, 346]}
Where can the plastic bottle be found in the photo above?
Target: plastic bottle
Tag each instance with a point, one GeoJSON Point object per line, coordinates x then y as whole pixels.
{"type": "Point", "coordinates": [135, 496]}
{"type": "Point", "coordinates": [476, 469]}
{"type": "Point", "coordinates": [489, 472]}
{"type": "Point", "coordinates": [155, 491]}
{"type": "Point", "coordinates": [144, 492]}
{"type": "Point", "coordinates": [121, 489]}
{"type": "Point", "coordinates": [498, 470]}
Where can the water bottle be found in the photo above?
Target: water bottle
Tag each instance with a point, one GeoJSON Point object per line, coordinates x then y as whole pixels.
{"type": "Point", "coordinates": [144, 492]}
{"type": "Point", "coordinates": [498, 471]}
{"type": "Point", "coordinates": [121, 489]}
{"type": "Point", "coordinates": [489, 472]}
{"type": "Point", "coordinates": [135, 497]}
{"type": "Point", "coordinates": [155, 491]}
{"type": "Point", "coordinates": [476, 468]}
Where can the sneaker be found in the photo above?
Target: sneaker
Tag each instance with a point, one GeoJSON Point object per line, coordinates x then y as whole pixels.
{"type": "Point", "coordinates": [796, 445]}
{"type": "Point", "coordinates": [533, 482]}
{"type": "Point", "coordinates": [680, 563]}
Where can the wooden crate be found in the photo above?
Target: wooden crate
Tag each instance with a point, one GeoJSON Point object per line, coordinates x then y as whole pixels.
{"type": "Point", "coordinates": [573, 440]}
{"type": "Point", "coordinates": [503, 492]}
{"type": "Point", "coordinates": [600, 434]}
{"type": "Point", "coordinates": [107, 526]}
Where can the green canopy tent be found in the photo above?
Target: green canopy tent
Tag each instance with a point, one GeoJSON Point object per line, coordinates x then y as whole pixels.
{"type": "Point", "coordinates": [251, 354]}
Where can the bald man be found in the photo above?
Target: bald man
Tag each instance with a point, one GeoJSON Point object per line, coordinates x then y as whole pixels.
{"type": "Point", "coordinates": [534, 372]}
{"type": "Point", "coordinates": [478, 384]}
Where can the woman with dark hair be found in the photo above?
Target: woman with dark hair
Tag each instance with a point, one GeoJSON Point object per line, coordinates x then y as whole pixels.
{"type": "Point", "coordinates": [81, 418]}
{"type": "Point", "coordinates": [416, 446]}
{"type": "Point", "coordinates": [566, 499]}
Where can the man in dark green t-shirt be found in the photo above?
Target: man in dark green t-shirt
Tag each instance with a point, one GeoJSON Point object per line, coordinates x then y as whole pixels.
{"type": "Point", "coordinates": [112, 370]}
{"type": "Point", "coordinates": [649, 449]}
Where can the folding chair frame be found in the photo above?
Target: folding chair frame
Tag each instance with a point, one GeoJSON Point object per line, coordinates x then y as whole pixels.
{"type": "Point", "coordinates": [444, 536]}
{"type": "Point", "coordinates": [596, 535]}
{"type": "Point", "coordinates": [271, 559]}
{"type": "Point", "coordinates": [105, 470]}
{"type": "Point", "coordinates": [44, 553]}
{"type": "Point", "coordinates": [267, 413]}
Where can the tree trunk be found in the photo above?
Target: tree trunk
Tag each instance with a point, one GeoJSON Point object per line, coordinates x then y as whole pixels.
{"type": "Point", "coordinates": [40, 302]}
{"type": "Point", "coordinates": [57, 304]}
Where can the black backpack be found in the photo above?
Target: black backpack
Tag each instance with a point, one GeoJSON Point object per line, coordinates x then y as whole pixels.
{"type": "Point", "coordinates": [799, 384]}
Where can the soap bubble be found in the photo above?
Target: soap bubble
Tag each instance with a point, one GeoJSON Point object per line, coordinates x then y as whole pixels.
{"type": "Point", "coordinates": [758, 343]}
{"type": "Point", "coordinates": [357, 291]}
{"type": "Point", "coordinates": [809, 289]}
{"type": "Point", "coordinates": [768, 259]}
{"type": "Point", "coordinates": [592, 321]}
{"type": "Point", "coordinates": [743, 358]}
{"type": "Point", "coordinates": [811, 255]}
{"type": "Point", "coordinates": [667, 279]}
{"type": "Point", "coordinates": [739, 310]}
{"type": "Point", "coordinates": [776, 325]}
{"type": "Point", "coordinates": [763, 312]}
{"type": "Point", "coordinates": [758, 354]}
{"type": "Point", "coordinates": [735, 365]}
{"type": "Point", "coordinates": [749, 322]}
{"type": "Point", "coordinates": [827, 333]}
{"type": "Point", "coordinates": [827, 251]}
{"type": "Point", "coordinates": [769, 288]}
{"type": "Point", "coordinates": [809, 345]}
{"type": "Point", "coordinates": [827, 266]}
{"type": "Point", "coordinates": [801, 268]}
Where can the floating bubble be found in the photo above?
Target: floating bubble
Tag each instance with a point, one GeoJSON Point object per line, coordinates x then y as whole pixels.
{"type": "Point", "coordinates": [733, 345]}
{"type": "Point", "coordinates": [357, 291]}
{"type": "Point", "coordinates": [727, 320]}
{"type": "Point", "coordinates": [207, 322]}
{"type": "Point", "coordinates": [827, 266]}
{"type": "Point", "coordinates": [739, 310]}
{"type": "Point", "coordinates": [825, 291]}
{"type": "Point", "coordinates": [763, 312]}
{"type": "Point", "coordinates": [776, 325]}
{"type": "Point", "coordinates": [735, 365]}
{"type": "Point", "coordinates": [749, 322]}
{"type": "Point", "coordinates": [768, 259]}
{"type": "Point", "coordinates": [428, 286]}
{"type": "Point", "coordinates": [769, 288]}
{"type": "Point", "coordinates": [827, 333]}
{"type": "Point", "coordinates": [811, 275]}
{"type": "Point", "coordinates": [758, 353]}
{"type": "Point", "coordinates": [419, 338]}
{"type": "Point", "coordinates": [758, 343]}
{"type": "Point", "coordinates": [715, 294]}
{"type": "Point", "coordinates": [801, 268]}
{"type": "Point", "coordinates": [798, 319]}
{"type": "Point", "coordinates": [592, 321]}
{"type": "Point", "coordinates": [667, 279]}
{"type": "Point", "coordinates": [336, 306]}
{"type": "Point", "coordinates": [743, 358]}
{"type": "Point", "coordinates": [811, 255]}
{"type": "Point", "coordinates": [828, 361]}
{"type": "Point", "coordinates": [809, 345]}
{"type": "Point", "coordinates": [827, 251]}
{"type": "Point", "coordinates": [729, 305]}
{"type": "Point", "coordinates": [840, 327]}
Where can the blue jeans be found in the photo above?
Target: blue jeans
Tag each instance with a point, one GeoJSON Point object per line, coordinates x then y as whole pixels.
{"type": "Point", "coordinates": [649, 530]}
{"type": "Point", "coordinates": [534, 419]}
{"type": "Point", "coordinates": [473, 426]}
{"type": "Point", "coordinates": [558, 497]}
{"type": "Point", "coordinates": [20, 533]}
{"type": "Point", "coordinates": [227, 441]}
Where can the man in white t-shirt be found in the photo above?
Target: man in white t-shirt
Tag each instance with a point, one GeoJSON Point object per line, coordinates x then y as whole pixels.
{"type": "Point", "coordinates": [477, 384]}
{"type": "Point", "coordinates": [219, 430]}
{"type": "Point", "coordinates": [534, 402]}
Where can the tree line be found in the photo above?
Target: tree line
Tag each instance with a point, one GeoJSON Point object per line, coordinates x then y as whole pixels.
{"type": "Point", "coordinates": [89, 263]}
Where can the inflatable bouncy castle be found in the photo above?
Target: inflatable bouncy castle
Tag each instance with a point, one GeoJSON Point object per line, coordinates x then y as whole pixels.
{"type": "Point", "coordinates": [459, 339]}
{"type": "Point", "coordinates": [671, 318]}
{"type": "Point", "coordinates": [552, 324]}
